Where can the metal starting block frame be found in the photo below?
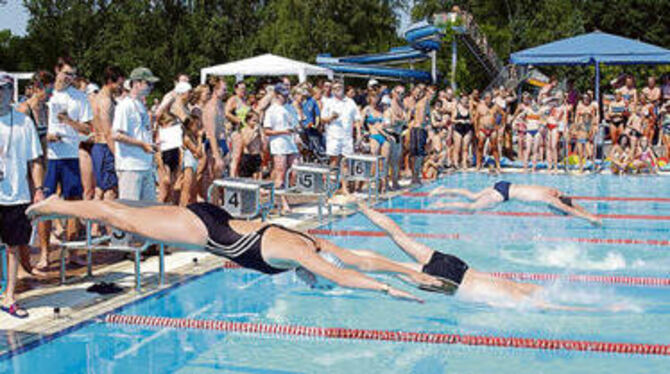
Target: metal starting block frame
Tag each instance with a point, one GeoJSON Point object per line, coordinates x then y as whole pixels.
{"type": "Point", "coordinates": [313, 180]}
{"type": "Point", "coordinates": [3, 267]}
{"type": "Point", "coordinates": [364, 168]}
{"type": "Point", "coordinates": [116, 241]}
{"type": "Point", "coordinates": [242, 196]}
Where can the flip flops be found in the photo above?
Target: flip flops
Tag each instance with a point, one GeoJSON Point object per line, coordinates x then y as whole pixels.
{"type": "Point", "coordinates": [15, 311]}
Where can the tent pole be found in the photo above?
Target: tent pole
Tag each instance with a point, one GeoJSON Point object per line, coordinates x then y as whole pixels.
{"type": "Point", "coordinates": [454, 59]}
{"type": "Point", "coordinates": [599, 134]}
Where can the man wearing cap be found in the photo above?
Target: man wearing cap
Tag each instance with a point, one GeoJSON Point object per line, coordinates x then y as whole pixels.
{"type": "Point", "coordinates": [134, 147]}
{"type": "Point", "coordinates": [19, 148]}
{"type": "Point", "coordinates": [69, 122]}
{"type": "Point", "coordinates": [280, 129]}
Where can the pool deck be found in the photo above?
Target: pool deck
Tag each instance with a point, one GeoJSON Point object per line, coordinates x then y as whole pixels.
{"type": "Point", "coordinates": [77, 305]}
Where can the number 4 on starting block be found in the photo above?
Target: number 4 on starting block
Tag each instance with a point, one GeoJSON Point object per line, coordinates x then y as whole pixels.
{"type": "Point", "coordinates": [242, 197]}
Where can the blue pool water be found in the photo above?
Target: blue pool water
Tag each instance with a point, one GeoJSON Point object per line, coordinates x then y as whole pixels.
{"type": "Point", "coordinates": [486, 242]}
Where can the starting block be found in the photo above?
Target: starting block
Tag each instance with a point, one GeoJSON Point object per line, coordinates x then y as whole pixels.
{"type": "Point", "coordinates": [116, 241]}
{"type": "Point", "coordinates": [313, 180]}
{"type": "Point", "coordinates": [3, 267]}
{"type": "Point", "coordinates": [242, 196]}
{"type": "Point", "coordinates": [364, 168]}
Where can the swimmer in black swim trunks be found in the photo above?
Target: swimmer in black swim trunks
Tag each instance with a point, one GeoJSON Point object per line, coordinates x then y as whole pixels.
{"type": "Point", "coordinates": [470, 284]}
{"type": "Point", "coordinates": [270, 249]}
{"type": "Point", "coordinates": [503, 191]}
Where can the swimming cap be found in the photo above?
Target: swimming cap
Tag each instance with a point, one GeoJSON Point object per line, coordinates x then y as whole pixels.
{"type": "Point", "coordinates": [318, 282]}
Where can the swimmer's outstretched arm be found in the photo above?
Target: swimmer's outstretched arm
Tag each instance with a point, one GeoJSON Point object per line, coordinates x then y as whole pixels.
{"type": "Point", "coordinates": [575, 210]}
{"type": "Point", "coordinates": [420, 252]}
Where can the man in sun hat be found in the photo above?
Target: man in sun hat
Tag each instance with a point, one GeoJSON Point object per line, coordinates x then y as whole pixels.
{"type": "Point", "coordinates": [134, 147]}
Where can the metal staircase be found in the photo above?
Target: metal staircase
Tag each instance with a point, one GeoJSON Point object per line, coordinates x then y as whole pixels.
{"type": "Point", "coordinates": [476, 42]}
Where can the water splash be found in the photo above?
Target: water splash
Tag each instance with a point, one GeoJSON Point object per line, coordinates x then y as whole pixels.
{"type": "Point", "coordinates": [567, 256]}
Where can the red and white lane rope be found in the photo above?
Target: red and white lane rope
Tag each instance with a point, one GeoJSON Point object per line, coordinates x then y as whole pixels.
{"type": "Point", "coordinates": [519, 214]}
{"type": "Point", "coordinates": [587, 198]}
{"type": "Point", "coordinates": [392, 336]}
{"type": "Point", "coordinates": [456, 236]}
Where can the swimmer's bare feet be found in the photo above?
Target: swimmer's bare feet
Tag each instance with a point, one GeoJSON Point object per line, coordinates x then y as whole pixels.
{"type": "Point", "coordinates": [41, 208]}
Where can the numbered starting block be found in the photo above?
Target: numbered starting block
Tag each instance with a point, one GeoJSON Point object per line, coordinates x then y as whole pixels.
{"type": "Point", "coordinates": [242, 196]}
{"type": "Point", "coordinates": [364, 168]}
{"type": "Point", "coordinates": [313, 180]}
{"type": "Point", "coordinates": [3, 268]}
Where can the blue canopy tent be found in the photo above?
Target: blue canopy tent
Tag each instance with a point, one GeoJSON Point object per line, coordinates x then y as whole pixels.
{"type": "Point", "coordinates": [594, 48]}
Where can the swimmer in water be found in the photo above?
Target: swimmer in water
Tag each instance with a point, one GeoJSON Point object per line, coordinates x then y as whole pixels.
{"type": "Point", "coordinates": [267, 248]}
{"type": "Point", "coordinates": [503, 191]}
{"type": "Point", "coordinates": [467, 282]}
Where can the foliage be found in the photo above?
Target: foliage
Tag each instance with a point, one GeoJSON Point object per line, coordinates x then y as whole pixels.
{"type": "Point", "coordinates": [173, 36]}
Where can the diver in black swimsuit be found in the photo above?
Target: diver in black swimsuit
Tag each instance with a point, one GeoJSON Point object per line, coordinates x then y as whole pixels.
{"type": "Point", "coordinates": [270, 249]}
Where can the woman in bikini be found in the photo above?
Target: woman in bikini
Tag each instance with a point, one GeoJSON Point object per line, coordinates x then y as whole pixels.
{"type": "Point", "coordinates": [615, 116]}
{"type": "Point", "coordinates": [585, 127]}
{"type": "Point", "coordinates": [531, 116]}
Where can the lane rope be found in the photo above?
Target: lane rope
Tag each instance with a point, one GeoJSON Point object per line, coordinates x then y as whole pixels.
{"type": "Point", "coordinates": [391, 336]}
{"type": "Point", "coordinates": [457, 236]}
{"type": "Point", "coordinates": [517, 214]}
{"type": "Point", "coordinates": [587, 198]}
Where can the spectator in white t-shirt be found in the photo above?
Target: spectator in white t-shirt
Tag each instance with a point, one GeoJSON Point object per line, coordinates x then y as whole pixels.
{"type": "Point", "coordinates": [280, 129]}
{"type": "Point", "coordinates": [69, 122]}
{"type": "Point", "coordinates": [134, 148]}
{"type": "Point", "coordinates": [19, 147]}
{"type": "Point", "coordinates": [340, 114]}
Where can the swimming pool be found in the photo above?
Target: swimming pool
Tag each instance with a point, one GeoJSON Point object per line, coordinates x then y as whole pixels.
{"type": "Point", "coordinates": [518, 239]}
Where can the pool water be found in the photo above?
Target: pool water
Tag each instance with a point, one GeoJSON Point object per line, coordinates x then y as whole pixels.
{"type": "Point", "coordinates": [488, 242]}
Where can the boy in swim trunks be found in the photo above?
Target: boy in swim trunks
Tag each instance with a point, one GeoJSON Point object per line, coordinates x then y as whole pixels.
{"type": "Point", "coordinates": [503, 191]}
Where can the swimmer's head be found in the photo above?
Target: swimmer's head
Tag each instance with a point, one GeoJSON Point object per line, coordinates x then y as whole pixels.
{"type": "Point", "coordinates": [316, 281]}
{"type": "Point", "coordinates": [565, 200]}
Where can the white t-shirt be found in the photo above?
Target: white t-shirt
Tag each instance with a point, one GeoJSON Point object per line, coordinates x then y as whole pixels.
{"type": "Point", "coordinates": [76, 104]}
{"type": "Point", "coordinates": [348, 113]}
{"type": "Point", "coordinates": [19, 143]}
{"type": "Point", "coordinates": [132, 119]}
{"type": "Point", "coordinates": [278, 118]}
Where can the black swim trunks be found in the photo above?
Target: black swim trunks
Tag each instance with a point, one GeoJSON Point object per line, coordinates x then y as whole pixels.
{"type": "Point", "coordinates": [446, 266]}
{"type": "Point", "coordinates": [503, 188]}
{"type": "Point", "coordinates": [417, 142]}
{"type": "Point", "coordinates": [250, 165]}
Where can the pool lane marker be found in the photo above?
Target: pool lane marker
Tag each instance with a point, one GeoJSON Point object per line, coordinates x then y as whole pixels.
{"type": "Point", "coordinates": [517, 214]}
{"type": "Point", "coordinates": [391, 336]}
{"type": "Point", "coordinates": [588, 198]}
{"type": "Point", "coordinates": [457, 236]}
{"type": "Point", "coordinates": [546, 277]}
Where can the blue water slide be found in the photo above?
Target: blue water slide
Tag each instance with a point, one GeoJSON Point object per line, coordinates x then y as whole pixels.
{"type": "Point", "coordinates": [377, 71]}
{"type": "Point", "coordinates": [423, 38]}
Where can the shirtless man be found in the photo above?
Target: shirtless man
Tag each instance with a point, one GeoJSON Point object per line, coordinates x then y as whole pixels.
{"type": "Point", "coordinates": [587, 118]}
{"type": "Point", "coordinates": [396, 118]}
{"type": "Point", "coordinates": [213, 121]}
{"type": "Point", "coordinates": [504, 101]}
{"type": "Point", "coordinates": [102, 150]}
{"type": "Point", "coordinates": [418, 133]}
{"type": "Point", "coordinates": [503, 191]}
{"type": "Point", "coordinates": [485, 123]}
{"type": "Point", "coordinates": [629, 93]}
{"type": "Point", "coordinates": [652, 94]}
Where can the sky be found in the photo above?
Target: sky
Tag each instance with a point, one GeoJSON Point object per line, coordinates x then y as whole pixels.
{"type": "Point", "coordinates": [14, 16]}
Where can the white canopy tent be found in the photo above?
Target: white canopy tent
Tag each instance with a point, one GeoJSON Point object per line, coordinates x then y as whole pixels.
{"type": "Point", "coordinates": [265, 65]}
{"type": "Point", "coordinates": [17, 77]}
